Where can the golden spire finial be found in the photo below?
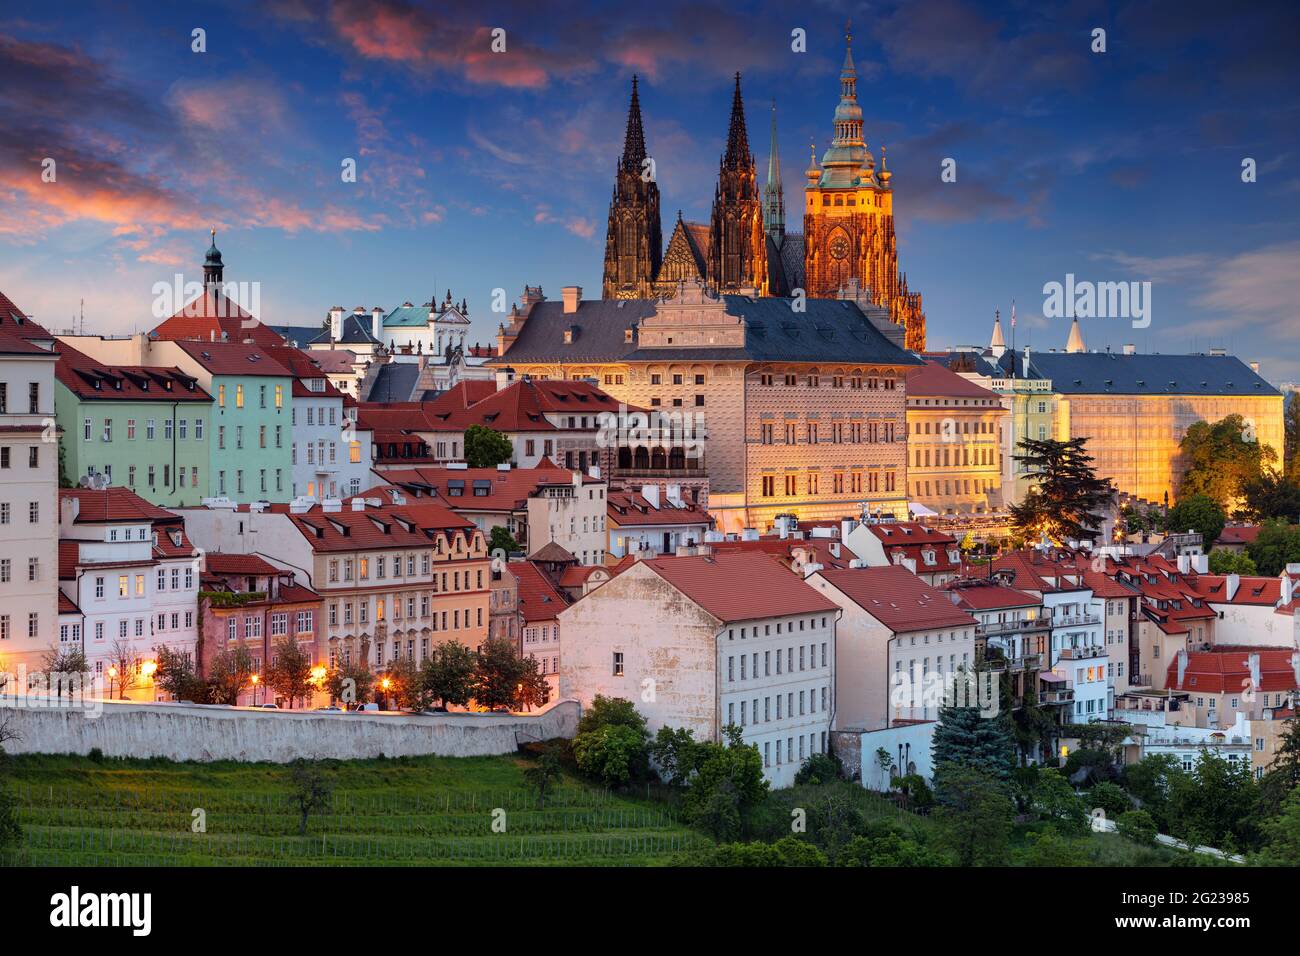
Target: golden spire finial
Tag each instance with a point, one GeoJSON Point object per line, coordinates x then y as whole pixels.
{"type": "Point", "coordinates": [848, 32]}
{"type": "Point", "coordinates": [214, 235]}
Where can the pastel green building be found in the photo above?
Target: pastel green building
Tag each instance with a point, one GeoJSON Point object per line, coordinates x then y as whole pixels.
{"type": "Point", "coordinates": [145, 428]}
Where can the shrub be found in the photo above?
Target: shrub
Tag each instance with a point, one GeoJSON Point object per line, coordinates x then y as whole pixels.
{"type": "Point", "coordinates": [819, 768]}
{"type": "Point", "coordinates": [1138, 826]}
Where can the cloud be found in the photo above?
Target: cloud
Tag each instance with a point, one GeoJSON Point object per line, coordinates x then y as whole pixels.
{"type": "Point", "coordinates": [492, 149]}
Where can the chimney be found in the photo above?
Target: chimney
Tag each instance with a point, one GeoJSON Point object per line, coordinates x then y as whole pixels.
{"type": "Point", "coordinates": [1130, 348]}
{"type": "Point", "coordinates": [532, 295]}
{"type": "Point", "coordinates": [1254, 367]}
{"type": "Point", "coordinates": [358, 503]}
{"type": "Point", "coordinates": [336, 323]}
{"type": "Point", "coordinates": [651, 494]}
{"type": "Point", "coordinates": [1184, 563]}
{"type": "Point", "coordinates": [1201, 563]}
{"type": "Point", "coordinates": [1230, 586]}
{"type": "Point", "coordinates": [377, 322]}
{"type": "Point", "coordinates": [572, 295]}
{"type": "Point", "coordinates": [505, 377]}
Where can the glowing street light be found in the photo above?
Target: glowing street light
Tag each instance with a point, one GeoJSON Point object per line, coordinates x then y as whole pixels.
{"type": "Point", "coordinates": [255, 678]}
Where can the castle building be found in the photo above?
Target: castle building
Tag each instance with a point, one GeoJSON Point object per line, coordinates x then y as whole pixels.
{"type": "Point", "coordinates": [848, 225]}
{"type": "Point", "coordinates": [804, 413]}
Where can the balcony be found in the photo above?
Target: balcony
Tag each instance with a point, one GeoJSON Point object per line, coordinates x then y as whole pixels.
{"type": "Point", "coordinates": [994, 628]}
{"type": "Point", "coordinates": [1057, 697]}
{"type": "Point", "coordinates": [1082, 653]}
{"type": "Point", "coordinates": [1076, 620]}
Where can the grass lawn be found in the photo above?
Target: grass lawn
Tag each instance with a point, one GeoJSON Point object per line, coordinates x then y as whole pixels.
{"type": "Point", "coordinates": [408, 811]}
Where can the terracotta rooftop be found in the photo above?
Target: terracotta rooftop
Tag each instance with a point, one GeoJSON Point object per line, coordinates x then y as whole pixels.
{"type": "Point", "coordinates": [415, 524]}
{"type": "Point", "coordinates": [898, 599]}
{"type": "Point", "coordinates": [1227, 670]}
{"type": "Point", "coordinates": [90, 379]}
{"type": "Point", "coordinates": [934, 380]}
{"type": "Point", "coordinates": [114, 504]}
{"type": "Point", "coordinates": [235, 358]}
{"type": "Point", "coordinates": [539, 599]}
{"type": "Point", "coordinates": [740, 587]}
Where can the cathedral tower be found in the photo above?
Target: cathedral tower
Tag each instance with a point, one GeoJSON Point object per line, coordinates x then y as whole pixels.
{"type": "Point", "coordinates": [849, 219]}
{"type": "Point", "coordinates": [773, 197]}
{"type": "Point", "coordinates": [737, 244]}
{"type": "Point", "coordinates": [633, 241]}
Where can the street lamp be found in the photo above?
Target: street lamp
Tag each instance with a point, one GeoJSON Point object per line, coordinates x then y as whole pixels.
{"type": "Point", "coordinates": [255, 678]}
{"type": "Point", "coordinates": [148, 669]}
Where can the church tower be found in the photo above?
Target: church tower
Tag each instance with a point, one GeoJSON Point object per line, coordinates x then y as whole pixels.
{"type": "Point", "coordinates": [849, 219]}
{"type": "Point", "coordinates": [633, 241]}
{"type": "Point", "coordinates": [737, 243]}
{"type": "Point", "coordinates": [773, 197]}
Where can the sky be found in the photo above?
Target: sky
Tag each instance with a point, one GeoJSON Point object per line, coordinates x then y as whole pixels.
{"type": "Point", "coordinates": [479, 170]}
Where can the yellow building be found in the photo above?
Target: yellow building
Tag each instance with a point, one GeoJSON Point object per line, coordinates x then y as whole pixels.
{"type": "Point", "coordinates": [802, 412]}
{"type": "Point", "coordinates": [954, 429]}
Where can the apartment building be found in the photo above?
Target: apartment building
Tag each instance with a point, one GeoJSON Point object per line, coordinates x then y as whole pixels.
{"type": "Point", "coordinates": [395, 577]}
{"type": "Point", "coordinates": [540, 604]}
{"type": "Point", "coordinates": [705, 641]}
{"type": "Point", "coordinates": [29, 586]}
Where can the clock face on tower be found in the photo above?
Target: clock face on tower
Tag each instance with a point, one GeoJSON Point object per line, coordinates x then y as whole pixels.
{"type": "Point", "coordinates": [839, 247]}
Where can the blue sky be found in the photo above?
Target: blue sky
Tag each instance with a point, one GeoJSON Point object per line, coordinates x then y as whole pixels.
{"type": "Point", "coordinates": [479, 170]}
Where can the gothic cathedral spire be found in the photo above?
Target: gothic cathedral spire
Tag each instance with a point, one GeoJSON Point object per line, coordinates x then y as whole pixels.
{"type": "Point", "coordinates": [633, 241]}
{"type": "Point", "coordinates": [773, 197]}
{"type": "Point", "coordinates": [737, 244]}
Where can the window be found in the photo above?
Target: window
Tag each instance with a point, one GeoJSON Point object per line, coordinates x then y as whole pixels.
{"type": "Point", "coordinates": [618, 663]}
{"type": "Point", "coordinates": [239, 396]}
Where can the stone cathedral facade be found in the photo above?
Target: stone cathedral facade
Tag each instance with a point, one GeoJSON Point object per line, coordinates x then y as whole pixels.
{"type": "Point", "coordinates": [848, 238]}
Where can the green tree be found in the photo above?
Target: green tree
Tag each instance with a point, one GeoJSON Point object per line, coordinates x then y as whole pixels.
{"type": "Point", "coordinates": [788, 851]}
{"type": "Point", "coordinates": [1281, 835]}
{"type": "Point", "coordinates": [887, 849]}
{"type": "Point", "coordinates": [819, 768]}
{"type": "Point", "coordinates": [1138, 826]}
{"type": "Point", "coordinates": [400, 685]}
{"type": "Point", "coordinates": [1054, 799]}
{"type": "Point", "coordinates": [1271, 495]}
{"type": "Point", "coordinates": [975, 816]}
{"type": "Point", "coordinates": [612, 742]}
{"type": "Point", "coordinates": [675, 754]}
{"type": "Point", "coordinates": [1276, 546]}
{"type": "Point", "coordinates": [963, 738]}
{"type": "Point", "coordinates": [1066, 499]}
{"type": "Point", "coordinates": [496, 674]}
{"type": "Point", "coordinates": [727, 785]}
{"type": "Point", "coordinates": [11, 830]}
{"type": "Point", "coordinates": [447, 674]}
{"type": "Point", "coordinates": [1231, 562]}
{"type": "Point", "coordinates": [486, 448]}
{"type": "Point", "coordinates": [611, 710]}
{"type": "Point", "coordinates": [1150, 781]}
{"type": "Point", "coordinates": [1221, 457]}
{"type": "Point", "coordinates": [1198, 513]}
{"type": "Point", "coordinates": [290, 672]}
{"type": "Point", "coordinates": [502, 540]}
{"type": "Point", "coordinates": [1049, 848]}
{"type": "Point", "coordinates": [1215, 804]}
{"type": "Point", "coordinates": [1111, 798]}
{"type": "Point", "coordinates": [229, 674]}
{"type": "Point", "coordinates": [352, 683]}
{"type": "Point", "coordinates": [543, 774]}
{"type": "Point", "coordinates": [1033, 728]}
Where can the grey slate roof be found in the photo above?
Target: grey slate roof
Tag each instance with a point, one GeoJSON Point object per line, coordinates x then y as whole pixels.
{"type": "Point", "coordinates": [394, 382]}
{"type": "Point", "coordinates": [356, 330]}
{"type": "Point", "coordinates": [1093, 373]}
{"type": "Point", "coordinates": [301, 334]}
{"type": "Point", "coordinates": [831, 330]}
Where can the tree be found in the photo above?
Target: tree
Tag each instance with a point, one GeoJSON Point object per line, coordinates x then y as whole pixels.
{"type": "Point", "coordinates": [1214, 804]}
{"type": "Point", "coordinates": [1138, 826]}
{"type": "Point", "coordinates": [67, 668]}
{"type": "Point", "coordinates": [1271, 496]}
{"type": "Point", "coordinates": [967, 544]}
{"type": "Point", "coordinates": [889, 848]}
{"type": "Point", "coordinates": [311, 789]}
{"type": "Point", "coordinates": [675, 753]}
{"type": "Point", "coordinates": [1221, 458]}
{"type": "Point", "coordinates": [1033, 728]}
{"type": "Point", "coordinates": [975, 818]}
{"type": "Point", "coordinates": [728, 783]}
{"type": "Point", "coordinates": [1291, 440]}
{"type": "Point", "coordinates": [532, 689]}
{"type": "Point", "coordinates": [1110, 798]}
{"type": "Point", "coordinates": [401, 686]}
{"type": "Point", "coordinates": [542, 774]}
{"type": "Point", "coordinates": [502, 540]}
{"type": "Point", "coordinates": [1281, 835]}
{"type": "Point", "coordinates": [819, 768]}
{"type": "Point", "coordinates": [447, 674]}
{"type": "Point", "coordinates": [1150, 781]}
{"type": "Point", "coordinates": [122, 658]}
{"type": "Point", "coordinates": [1198, 513]}
{"type": "Point", "coordinates": [290, 672]}
{"type": "Point", "coordinates": [486, 448]}
{"type": "Point", "coordinates": [229, 674]}
{"type": "Point", "coordinates": [497, 674]}
{"type": "Point", "coordinates": [1276, 546]}
{"type": "Point", "coordinates": [351, 683]}
{"type": "Point", "coordinates": [176, 675]}
{"type": "Point", "coordinates": [611, 742]}
{"type": "Point", "coordinates": [1049, 848]}
{"type": "Point", "coordinates": [11, 830]}
{"type": "Point", "coordinates": [963, 738]}
{"type": "Point", "coordinates": [1231, 562]}
{"type": "Point", "coordinates": [1066, 499]}
{"type": "Point", "coordinates": [1054, 799]}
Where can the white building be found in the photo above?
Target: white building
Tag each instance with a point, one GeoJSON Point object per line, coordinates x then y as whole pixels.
{"type": "Point", "coordinates": [29, 468]}
{"type": "Point", "coordinates": [331, 456]}
{"type": "Point", "coordinates": [654, 521]}
{"type": "Point", "coordinates": [901, 644]}
{"type": "Point", "coordinates": [706, 641]}
{"type": "Point", "coordinates": [133, 574]}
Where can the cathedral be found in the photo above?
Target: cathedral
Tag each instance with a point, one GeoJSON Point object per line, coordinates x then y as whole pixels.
{"type": "Point", "coordinates": [848, 238]}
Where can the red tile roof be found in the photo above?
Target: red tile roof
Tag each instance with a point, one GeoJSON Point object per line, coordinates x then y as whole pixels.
{"type": "Point", "coordinates": [982, 594]}
{"type": "Point", "coordinates": [934, 379]}
{"type": "Point", "coordinates": [521, 406]}
{"type": "Point", "coordinates": [1251, 589]}
{"type": "Point", "coordinates": [14, 321]}
{"type": "Point", "coordinates": [66, 604]}
{"type": "Point", "coordinates": [898, 599]}
{"type": "Point", "coordinates": [114, 504]}
{"type": "Point", "coordinates": [414, 524]}
{"type": "Point", "coordinates": [505, 490]}
{"type": "Point", "coordinates": [1226, 670]}
{"type": "Point", "coordinates": [246, 565]}
{"type": "Point", "coordinates": [215, 313]}
{"type": "Point", "coordinates": [740, 587]}
{"type": "Point", "coordinates": [80, 374]}
{"type": "Point", "coordinates": [235, 358]}
{"type": "Point", "coordinates": [1238, 534]}
{"type": "Point", "coordinates": [911, 538]}
{"type": "Point", "coordinates": [789, 550]}
{"type": "Point", "coordinates": [539, 599]}
{"type": "Point", "coordinates": [629, 508]}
